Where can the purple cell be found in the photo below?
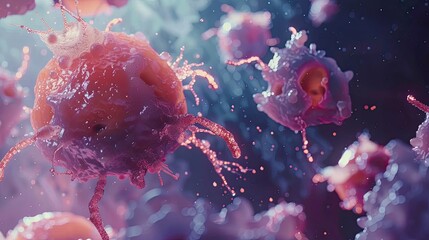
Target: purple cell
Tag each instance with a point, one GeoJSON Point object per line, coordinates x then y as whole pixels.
{"type": "Point", "coordinates": [162, 215]}
{"type": "Point", "coordinates": [242, 34]}
{"type": "Point", "coordinates": [15, 7]}
{"type": "Point", "coordinates": [321, 11]}
{"type": "Point", "coordinates": [305, 88]}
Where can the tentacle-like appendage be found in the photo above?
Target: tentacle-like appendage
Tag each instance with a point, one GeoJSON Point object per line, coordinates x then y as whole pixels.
{"type": "Point", "coordinates": [187, 71]}
{"type": "Point", "coordinates": [256, 59]}
{"type": "Point", "coordinates": [412, 100]}
{"type": "Point", "coordinates": [112, 23]}
{"type": "Point", "coordinates": [24, 64]}
{"type": "Point", "coordinates": [44, 133]}
{"type": "Point", "coordinates": [94, 211]}
{"type": "Point", "coordinates": [189, 139]}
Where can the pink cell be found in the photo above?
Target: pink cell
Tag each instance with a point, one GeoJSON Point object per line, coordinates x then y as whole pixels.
{"type": "Point", "coordinates": [305, 88]}
{"type": "Point", "coordinates": [242, 34]}
{"type": "Point", "coordinates": [53, 225]}
{"type": "Point", "coordinates": [421, 141]}
{"type": "Point", "coordinates": [108, 104]}
{"type": "Point", "coordinates": [88, 8]}
{"type": "Point", "coordinates": [15, 7]}
{"type": "Point", "coordinates": [321, 11]}
{"type": "Point", "coordinates": [11, 97]}
{"type": "Point", "coordinates": [356, 171]}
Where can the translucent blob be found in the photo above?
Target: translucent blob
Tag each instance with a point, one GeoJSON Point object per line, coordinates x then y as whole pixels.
{"type": "Point", "coordinates": [16, 7]}
{"type": "Point", "coordinates": [164, 215]}
{"type": "Point", "coordinates": [321, 11]}
{"type": "Point", "coordinates": [242, 34]}
{"type": "Point", "coordinates": [355, 173]}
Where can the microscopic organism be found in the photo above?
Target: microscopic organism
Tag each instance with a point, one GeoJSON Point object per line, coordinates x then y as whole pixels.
{"type": "Point", "coordinates": [92, 7]}
{"type": "Point", "coordinates": [321, 11]}
{"type": "Point", "coordinates": [108, 104]}
{"type": "Point", "coordinates": [11, 97]}
{"type": "Point", "coordinates": [16, 7]}
{"type": "Point", "coordinates": [305, 88]}
{"type": "Point", "coordinates": [242, 34]}
{"type": "Point", "coordinates": [355, 173]}
{"type": "Point", "coordinates": [53, 225]}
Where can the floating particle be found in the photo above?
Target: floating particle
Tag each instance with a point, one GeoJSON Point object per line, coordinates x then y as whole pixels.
{"type": "Point", "coordinates": [321, 11]}
{"type": "Point", "coordinates": [53, 225]}
{"type": "Point", "coordinates": [305, 88]}
{"type": "Point", "coordinates": [11, 97]}
{"type": "Point", "coordinates": [355, 173]}
{"type": "Point", "coordinates": [108, 104]}
{"type": "Point", "coordinates": [242, 34]}
{"type": "Point", "coordinates": [15, 7]}
{"type": "Point", "coordinates": [421, 141]}
{"type": "Point", "coordinates": [89, 8]}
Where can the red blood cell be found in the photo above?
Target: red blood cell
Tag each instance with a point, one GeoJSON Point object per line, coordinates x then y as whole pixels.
{"type": "Point", "coordinates": [11, 97]}
{"type": "Point", "coordinates": [355, 173]}
{"type": "Point", "coordinates": [305, 88]}
{"type": "Point", "coordinates": [15, 7]}
{"type": "Point", "coordinates": [108, 104]}
{"type": "Point", "coordinates": [242, 34]}
{"type": "Point", "coordinates": [53, 225]}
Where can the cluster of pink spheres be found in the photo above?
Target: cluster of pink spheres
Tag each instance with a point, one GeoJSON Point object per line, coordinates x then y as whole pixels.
{"type": "Point", "coordinates": [108, 104]}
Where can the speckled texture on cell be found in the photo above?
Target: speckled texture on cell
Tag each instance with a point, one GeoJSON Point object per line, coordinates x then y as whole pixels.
{"type": "Point", "coordinates": [398, 206]}
{"type": "Point", "coordinates": [305, 87]}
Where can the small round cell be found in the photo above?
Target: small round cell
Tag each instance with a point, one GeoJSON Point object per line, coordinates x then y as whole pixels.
{"type": "Point", "coordinates": [53, 225]}
{"type": "Point", "coordinates": [242, 34]}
